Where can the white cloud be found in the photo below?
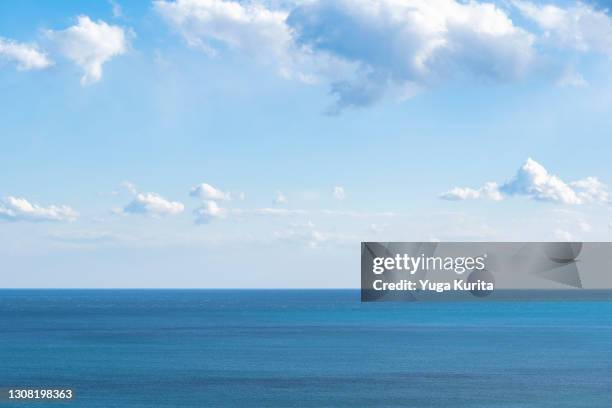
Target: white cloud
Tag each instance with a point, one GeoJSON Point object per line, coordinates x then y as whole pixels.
{"type": "Point", "coordinates": [26, 56]}
{"type": "Point", "coordinates": [571, 78]}
{"type": "Point", "coordinates": [488, 190]}
{"type": "Point", "coordinates": [207, 191]}
{"type": "Point", "coordinates": [153, 204]}
{"type": "Point", "coordinates": [247, 27]}
{"type": "Point", "coordinates": [90, 44]}
{"type": "Point", "coordinates": [532, 180]}
{"type": "Point", "coordinates": [130, 187]}
{"type": "Point", "coordinates": [563, 235]}
{"type": "Point", "coordinates": [339, 193]}
{"type": "Point", "coordinates": [20, 209]}
{"type": "Point", "coordinates": [365, 49]}
{"type": "Point", "coordinates": [578, 26]}
{"type": "Point", "coordinates": [413, 43]}
{"type": "Point", "coordinates": [460, 193]}
{"type": "Point", "coordinates": [209, 211]}
{"type": "Point", "coordinates": [591, 189]}
{"type": "Point", "coordinates": [281, 198]}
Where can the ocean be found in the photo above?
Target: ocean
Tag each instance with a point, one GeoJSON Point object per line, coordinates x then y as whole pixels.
{"type": "Point", "coordinates": [302, 348]}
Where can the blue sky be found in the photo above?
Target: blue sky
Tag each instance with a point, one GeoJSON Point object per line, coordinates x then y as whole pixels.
{"type": "Point", "coordinates": [308, 127]}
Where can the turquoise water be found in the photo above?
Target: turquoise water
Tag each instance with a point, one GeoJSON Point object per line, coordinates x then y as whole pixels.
{"type": "Point", "coordinates": [172, 348]}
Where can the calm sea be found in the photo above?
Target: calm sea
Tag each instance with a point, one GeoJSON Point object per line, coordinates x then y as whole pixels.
{"type": "Point", "coordinates": [239, 348]}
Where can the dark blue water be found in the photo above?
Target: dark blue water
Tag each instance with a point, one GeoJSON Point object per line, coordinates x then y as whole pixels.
{"type": "Point", "coordinates": [303, 349]}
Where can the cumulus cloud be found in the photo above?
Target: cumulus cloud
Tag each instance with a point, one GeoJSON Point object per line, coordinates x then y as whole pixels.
{"type": "Point", "coordinates": [208, 212]}
{"type": "Point", "coordinates": [153, 204]}
{"type": "Point", "coordinates": [281, 198]}
{"type": "Point", "coordinates": [247, 27]}
{"type": "Point", "coordinates": [207, 191]}
{"type": "Point", "coordinates": [488, 190]}
{"type": "Point", "coordinates": [590, 189]}
{"type": "Point", "coordinates": [90, 44]}
{"type": "Point", "coordinates": [20, 209]}
{"type": "Point", "coordinates": [25, 56]}
{"type": "Point", "coordinates": [365, 49]}
{"type": "Point", "coordinates": [578, 26]}
{"type": "Point", "coordinates": [339, 193]}
{"type": "Point", "coordinates": [532, 180]}
{"type": "Point", "coordinates": [412, 43]}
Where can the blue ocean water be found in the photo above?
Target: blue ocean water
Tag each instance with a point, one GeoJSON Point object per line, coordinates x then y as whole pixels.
{"type": "Point", "coordinates": [303, 348]}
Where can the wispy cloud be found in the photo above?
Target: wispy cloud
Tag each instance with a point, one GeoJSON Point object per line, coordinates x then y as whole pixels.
{"type": "Point", "coordinates": [116, 9]}
{"type": "Point", "coordinates": [129, 186]}
{"type": "Point", "coordinates": [572, 78]}
{"type": "Point", "coordinates": [211, 210]}
{"type": "Point", "coordinates": [85, 237]}
{"type": "Point", "coordinates": [307, 234]}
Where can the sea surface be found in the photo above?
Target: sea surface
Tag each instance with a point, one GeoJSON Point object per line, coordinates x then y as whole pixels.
{"type": "Point", "coordinates": [302, 348]}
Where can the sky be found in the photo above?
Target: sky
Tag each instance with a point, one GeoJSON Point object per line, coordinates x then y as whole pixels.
{"type": "Point", "coordinates": [226, 144]}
